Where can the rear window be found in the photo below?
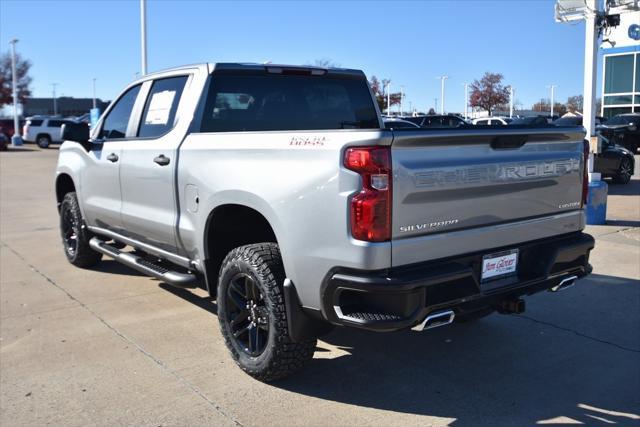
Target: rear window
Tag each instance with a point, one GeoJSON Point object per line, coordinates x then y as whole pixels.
{"type": "Point", "coordinates": [277, 102]}
{"type": "Point", "coordinates": [35, 122]}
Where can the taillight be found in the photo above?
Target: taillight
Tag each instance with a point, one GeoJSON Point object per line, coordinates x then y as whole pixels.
{"type": "Point", "coordinates": [371, 208]}
{"type": "Point", "coordinates": [585, 173]}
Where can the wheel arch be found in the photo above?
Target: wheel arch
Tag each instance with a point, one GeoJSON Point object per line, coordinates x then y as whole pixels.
{"type": "Point", "coordinates": [229, 226]}
{"type": "Point", "coordinates": [64, 185]}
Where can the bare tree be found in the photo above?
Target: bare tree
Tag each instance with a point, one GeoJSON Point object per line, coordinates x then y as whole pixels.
{"type": "Point", "coordinates": [574, 103]}
{"type": "Point", "coordinates": [325, 63]}
{"type": "Point", "coordinates": [379, 90]}
{"type": "Point", "coordinates": [6, 79]}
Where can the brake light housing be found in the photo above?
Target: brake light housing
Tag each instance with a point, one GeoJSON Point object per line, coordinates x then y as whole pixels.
{"type": "Point", "coordinates": [370, 209]}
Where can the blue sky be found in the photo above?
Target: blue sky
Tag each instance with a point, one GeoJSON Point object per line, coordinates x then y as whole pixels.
{"type": "Point", "coordinates": [71, 42]}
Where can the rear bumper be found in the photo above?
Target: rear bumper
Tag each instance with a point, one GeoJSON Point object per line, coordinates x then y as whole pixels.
{"type": "Point", "coordinates": [399, 298]}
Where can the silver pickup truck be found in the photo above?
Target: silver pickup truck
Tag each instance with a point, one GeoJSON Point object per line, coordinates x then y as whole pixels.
{"type": "Point", "coordinates": [278, 190]}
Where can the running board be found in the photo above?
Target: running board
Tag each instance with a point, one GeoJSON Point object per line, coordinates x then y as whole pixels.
{"type": "Point", "coordinates": [174, 278]}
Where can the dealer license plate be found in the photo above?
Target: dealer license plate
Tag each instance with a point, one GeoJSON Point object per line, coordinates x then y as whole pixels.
{"type": "Point", "coordinates": [499, 265]}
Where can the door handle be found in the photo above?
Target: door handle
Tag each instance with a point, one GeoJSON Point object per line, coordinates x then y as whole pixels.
{"type": "Point", "coordinates": [162, 160]}
{"type": "Point", "coordinates": [113, 157]}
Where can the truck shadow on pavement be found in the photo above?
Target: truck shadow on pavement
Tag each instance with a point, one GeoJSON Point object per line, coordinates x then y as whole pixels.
{"type": "Point", "coordinates": [498, 370]}
{"type": "Point", "coordinates": [557, 363]}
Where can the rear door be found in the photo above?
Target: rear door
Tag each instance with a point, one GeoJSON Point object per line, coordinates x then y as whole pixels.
{"type": "Point", "coordinates": [147, 169]}
{"type": "Point", "coordinates": [468, 179]}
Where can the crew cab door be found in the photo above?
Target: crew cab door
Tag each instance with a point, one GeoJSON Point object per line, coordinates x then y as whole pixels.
{"type": "Point", "coordinates": [100, 179]}
{"type": "Point", "coordinates": [147, 169]}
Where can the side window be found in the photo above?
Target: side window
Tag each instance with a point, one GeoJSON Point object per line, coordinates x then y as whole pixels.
{"type": "Point", "coordinates": [55, 123]}
{"type": "Point", "coordinates": [160, 109]}
{"type": "Point", "coordinates": [35, 122]}
{"type": "Point", "coordinates": [116, 122]}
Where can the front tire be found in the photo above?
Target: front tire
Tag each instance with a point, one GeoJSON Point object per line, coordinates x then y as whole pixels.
{"type": "Point", "coordinates": [75, 235]}
{"type": "Point", "coordinates": [623, 176]}
{"type": "Point", "coordinates": [252, 315]}
{"type": "Point", "coordinates": [43, 141]}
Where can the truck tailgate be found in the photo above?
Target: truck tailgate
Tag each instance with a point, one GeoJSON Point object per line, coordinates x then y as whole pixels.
{"type": "Point", "coordinates": [467, 179]}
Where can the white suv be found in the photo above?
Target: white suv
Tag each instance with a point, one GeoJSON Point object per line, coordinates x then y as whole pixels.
{"type": "Point", "coordinates": [43, 130]}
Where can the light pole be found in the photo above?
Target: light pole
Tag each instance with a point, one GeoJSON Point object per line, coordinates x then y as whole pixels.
{"type": "Point", "coordinates": [466, 100]}
{"type": "Point", "coordinates": [143, 35]}
{"type": "Point", "coordinates": [401, 96]}
{"type": "Point", "coordinates": [15, 139]}
{"type": "Point", "coordinates": [55, 101]}
{"type": "Point", "coordinates": [389, 98]}
{"type": "Point", "coordinates": [94, 92]}
{"type": "Point", "coordinates": [442, 79]}
{"type": "Point", "coordinates": [552, 87]}
{"type": "Point", "coordinates": [511, 101]}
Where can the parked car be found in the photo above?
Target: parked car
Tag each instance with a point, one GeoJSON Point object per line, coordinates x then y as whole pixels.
{"type": "Point", "coordinates": [4, 140]}
{"type": "Point", "coordinates": [44, 130]}
{"type": "Point", "coordinates": [573, 121]}
{"type": "Point", "coordinates": [530, 121]}
{"type": "Point", "coordinates": [278, 189]}
{"type": "Point", "coordinates": [614, 161]}
{"type": "Point", "coordinates": [491, 121]}
{"type": "Point", "coordinates": [623, 129]}
{"type": "Point", "coordinates": [7, 125]}
{"type": "Point", "coordinates": [437, 121]}
{"type": "Point", "coordinates": [392, 123]}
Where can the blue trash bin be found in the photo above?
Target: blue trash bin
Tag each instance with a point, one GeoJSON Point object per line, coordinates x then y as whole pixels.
{"type": "Point", "coordinates": [596, 209]}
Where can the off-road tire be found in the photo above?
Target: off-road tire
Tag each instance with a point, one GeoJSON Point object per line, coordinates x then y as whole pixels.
{"type": "Point", "coordinates": [81, 255]}
{"type": "Point", "coordinates": [624, 172]}
{"type": "Point", "coordinates": [281, 357]}
{"type": "Point", "coordinates": [43, 141]}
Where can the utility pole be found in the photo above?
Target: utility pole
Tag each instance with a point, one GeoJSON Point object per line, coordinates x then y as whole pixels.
{"type": "Point", "coordinates": [466, 100]}
{"type": "Point", "coordinates": [435, 104]}
{"type": "Point", "coordinates": [442, 79]}
{"type": "Point", "coordinates": [55, 101]}
{"type": "Point", "coordinates": [590, 73]}
{"type": "Point", "coordinates": [143, 35]}
{"type": "Point", "coordinates": [401, 96]}
{"type": "Point", "coordinates": [94, 92]}
{"type": "Point", "coordinates": [511, 101]}
{"type": "Point", "coordinates": [552, 87]}
{"type": "Point", "coordinates": [389, 98]}
{"type": "Point", "coordinates": [15, 139]}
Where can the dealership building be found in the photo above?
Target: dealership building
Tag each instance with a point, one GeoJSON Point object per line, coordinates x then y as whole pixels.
{"type": "Point", "coordinates": [621, 67]}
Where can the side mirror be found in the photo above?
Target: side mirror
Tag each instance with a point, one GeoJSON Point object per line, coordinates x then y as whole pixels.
{"type": "Point", "coordinates": [633, 127]}
{"type": "Point", "coordinates": [77, 132]}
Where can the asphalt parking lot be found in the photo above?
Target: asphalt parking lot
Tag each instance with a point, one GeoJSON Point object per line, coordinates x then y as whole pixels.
{"type": "Point", "coordinates": [110, 347]}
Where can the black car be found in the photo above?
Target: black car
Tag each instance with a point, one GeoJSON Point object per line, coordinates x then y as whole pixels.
{"type": "Point", "coordinates": [624, 129]}
{"type": "Point", "coordinates": [614, 162]}
{"type": "Point", "coordinates": [530, 121]}
{"type": "Point", "coordinates": [574, 121]}
{"type": "Point", "coordinates": [437, 121]}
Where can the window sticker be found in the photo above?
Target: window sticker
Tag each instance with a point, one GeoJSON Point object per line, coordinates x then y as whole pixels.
{"type": "Point", "coordinates": [159, 108]}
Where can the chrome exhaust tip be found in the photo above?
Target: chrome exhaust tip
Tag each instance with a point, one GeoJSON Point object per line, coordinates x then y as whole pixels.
{"type": "Point", "coordinates": [434, 320]}
{"type": "Point", "coordinates": [565, 283]}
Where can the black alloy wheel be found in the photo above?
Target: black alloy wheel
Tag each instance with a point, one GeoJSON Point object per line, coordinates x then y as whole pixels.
{"type": "Point", "coordinates": [247, 315]}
